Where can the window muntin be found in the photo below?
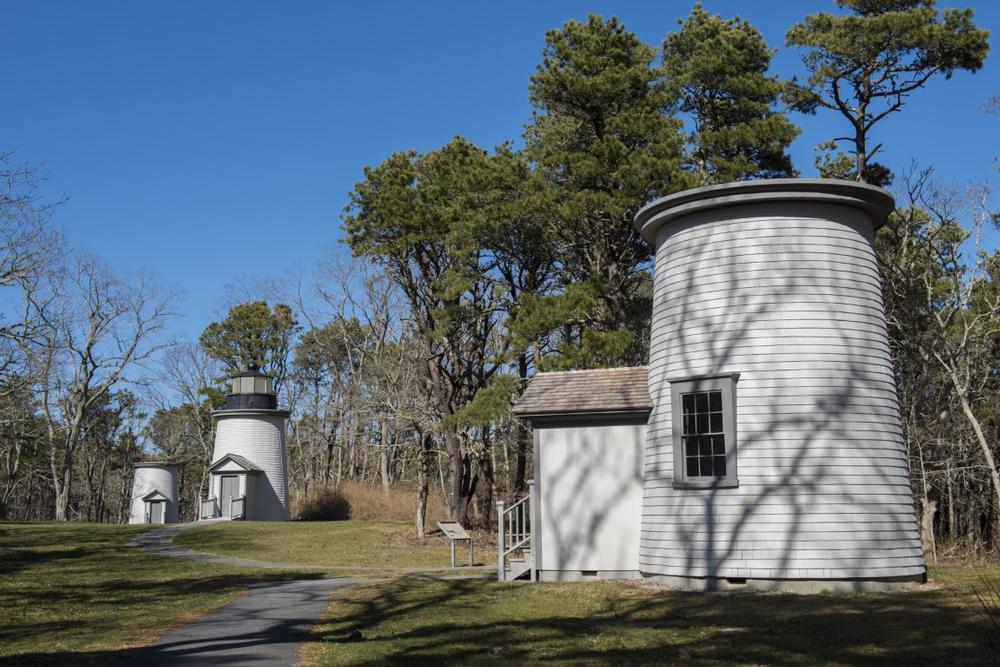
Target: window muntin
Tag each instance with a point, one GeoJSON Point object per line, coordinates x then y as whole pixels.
{"type": "Point", "coordinates": [704, 431]}
{"type": "Point", "coordinates": [703, 437]}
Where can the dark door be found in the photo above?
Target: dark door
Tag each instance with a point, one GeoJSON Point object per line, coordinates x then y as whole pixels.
{"type": "Point", "coordinates": [230, 490]}
{"type": "Point", "coordinates": [156, 512]}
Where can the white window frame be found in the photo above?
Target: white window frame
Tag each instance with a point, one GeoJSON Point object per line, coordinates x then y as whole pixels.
{"type": "Point", "coordinates": [727, 385]}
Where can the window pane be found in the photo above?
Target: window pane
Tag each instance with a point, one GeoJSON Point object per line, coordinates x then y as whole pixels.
{"type": "Point", "coordinates": [718, 444]}
{"type": "Point", "coordinates": [688, 402]}
{"type": "Point", "coordinates": [689, 425]}
{"type": "Point", "coordinates": [692, 466]}
{"type": "Point", "coordinates": [691, 446]}
{"type": "Point", "coordinates": [702, 423]}
{"type": "Point", "coordinates": [705, 446]}
{"type": "Point", "coordinates": [246, 385]}
{"type": "Point", "coordinates": [259, 386]}
{"type": "Point", "coordinates": [715, 401]}
{"type": "Point", "coordinates": [702, 402]}
{"type": "Point", "coordinates": [716, 422]}
{"type": "Point", "coordinates": [719, 465]}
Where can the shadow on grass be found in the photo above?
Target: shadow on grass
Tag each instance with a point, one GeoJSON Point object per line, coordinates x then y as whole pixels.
{"type": "Point", "coordinates": [13, 561]}
{"type": "Point", "coordinates": [414, 621]}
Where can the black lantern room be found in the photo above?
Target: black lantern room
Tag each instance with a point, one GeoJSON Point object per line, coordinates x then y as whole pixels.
{"type": "Point", "coordinates": [252, 390]}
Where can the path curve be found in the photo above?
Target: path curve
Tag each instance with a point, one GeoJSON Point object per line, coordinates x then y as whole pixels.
{"type": "Point", "coordinates": [159, 541]}
{"type": "Point", "coordinates": [263, 626]}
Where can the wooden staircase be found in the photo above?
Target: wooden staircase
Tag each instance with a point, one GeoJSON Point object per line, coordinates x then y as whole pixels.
{"type": "Point", "coordinates": [515, 557]}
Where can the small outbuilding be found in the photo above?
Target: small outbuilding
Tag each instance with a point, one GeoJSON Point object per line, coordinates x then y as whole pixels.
{"type": "Point", "coordinates": [589, 435]}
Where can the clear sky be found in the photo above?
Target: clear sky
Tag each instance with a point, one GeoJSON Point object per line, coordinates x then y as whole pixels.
{"type": "Point", "coordinates": [212, 140]}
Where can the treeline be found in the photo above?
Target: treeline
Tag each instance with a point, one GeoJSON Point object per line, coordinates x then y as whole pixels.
{"type": "Point", "coordinates": [473, 269]}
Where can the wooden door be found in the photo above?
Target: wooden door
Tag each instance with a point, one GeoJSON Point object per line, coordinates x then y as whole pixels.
{"type": "Point", "coordinates": [230, 490]}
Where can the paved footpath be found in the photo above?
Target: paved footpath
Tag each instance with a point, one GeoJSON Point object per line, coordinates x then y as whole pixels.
{"type": "Point", "coordinates": [159, 541]}
{"type": "Point", "coordinates": [264, 626]}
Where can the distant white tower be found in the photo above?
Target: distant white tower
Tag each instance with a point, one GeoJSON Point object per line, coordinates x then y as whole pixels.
{"type": "Point", "coordinates": [249, 477]}
{"type": "Point", "coordinates": [154, 493]}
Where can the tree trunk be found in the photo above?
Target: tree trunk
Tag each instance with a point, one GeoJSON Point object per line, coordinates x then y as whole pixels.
{"type": "Point", "coordinates": [952, 522]}
{"type": "Point", "coordinates": [423, 482]}
{"type": "Point", "coordinates": [63, 491]}
{"type": "Point", "coordinates": [383, 455]}
{"type": "Point", "coordinates": [458, 508]}
{"type": "Point", "coordinates": [980, 438]}
{"type": "Point", "coordinates": [524, 439]}
{"type": "Point", "coordinates": [928, 508]}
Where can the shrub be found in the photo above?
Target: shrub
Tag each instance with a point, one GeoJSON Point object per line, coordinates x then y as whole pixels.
{"type": "Point", "coordinates": [400, 504]}
{"type": "Point", "coordinates": [326, 504]}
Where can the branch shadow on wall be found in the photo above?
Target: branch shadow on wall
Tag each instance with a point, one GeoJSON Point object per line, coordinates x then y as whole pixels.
{"type": "Point", "coordinates": [815, 484]}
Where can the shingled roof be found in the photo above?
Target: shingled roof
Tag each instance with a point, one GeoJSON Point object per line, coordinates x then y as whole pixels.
{"type": "Point", "coordinates": [242, 461]}
{"type": "Point", "coordinates": [604, 390]}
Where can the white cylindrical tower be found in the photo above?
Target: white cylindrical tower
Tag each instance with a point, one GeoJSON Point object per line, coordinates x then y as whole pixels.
{"type": "Point", "coordinates": [154, 493]}
{"type": "Point", "coordinates": [774, 450]}
{"type": "Point", "coordinates": [252, 427]}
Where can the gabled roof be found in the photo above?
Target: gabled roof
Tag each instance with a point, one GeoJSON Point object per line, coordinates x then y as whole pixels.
{"type": "Point", "coordinates": [599, 391]}
{"type": "Point", "coordinates": [241, 461]}
{"type": "Point", "coordinates": [155, 494]}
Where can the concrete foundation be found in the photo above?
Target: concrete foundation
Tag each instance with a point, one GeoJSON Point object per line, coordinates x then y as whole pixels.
{"type": "Point", "coordinates": [801, 586]}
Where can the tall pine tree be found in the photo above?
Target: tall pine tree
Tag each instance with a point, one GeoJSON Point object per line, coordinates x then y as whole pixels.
{"type": "Point", "coordinates": [866, 63]}
{"type": "Point", "coordinates": [603, 139]}
{"type": "Point", "coordinates": [718, 68]}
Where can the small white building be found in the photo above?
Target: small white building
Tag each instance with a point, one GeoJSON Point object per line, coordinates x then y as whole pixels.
{"type": "Point", "coordinates": [589, 431]}
{"type": "Point", "coordinates": [248, 474]}
{"type": "Point", "coordinates": [772, 456]}
{"type": "Point", "coordinates": [154, 493]}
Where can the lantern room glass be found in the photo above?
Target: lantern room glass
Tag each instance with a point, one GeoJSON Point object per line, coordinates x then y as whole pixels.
{"type": "Point", "coordinates": [253, 384]}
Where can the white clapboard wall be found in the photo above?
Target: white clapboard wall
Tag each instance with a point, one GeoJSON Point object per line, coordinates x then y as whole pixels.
{"type": "Point", "coordinates": [787, 295]}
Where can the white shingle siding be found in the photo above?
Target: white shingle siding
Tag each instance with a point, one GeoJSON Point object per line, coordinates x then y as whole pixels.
{"type": "Point", "coordinates": [146, 478]}
{"type": "Point", "coordinates": [261, 439]}
{"type": "Point", "coordinates": [793, 304]}
{"type": "Point", "coordinates": [589, 483]}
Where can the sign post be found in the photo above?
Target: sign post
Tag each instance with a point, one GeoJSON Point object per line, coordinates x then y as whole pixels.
{"type": "Point", "coordinates": [455, 533]}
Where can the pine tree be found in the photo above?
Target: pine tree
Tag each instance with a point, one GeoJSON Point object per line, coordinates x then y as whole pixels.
{"type": "Point", "coordinates": [718, 68]}
{"type": "Point", "coordinates": [604, 141]}
{"type": "Point", "coordinates": [866, 63]}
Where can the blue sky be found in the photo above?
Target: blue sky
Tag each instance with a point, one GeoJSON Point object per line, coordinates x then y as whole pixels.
{"type": "Point", "coordinates": [207, 141]}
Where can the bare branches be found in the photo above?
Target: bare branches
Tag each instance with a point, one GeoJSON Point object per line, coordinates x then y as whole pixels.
{"type": "Point", "coordinates": [946, 298]}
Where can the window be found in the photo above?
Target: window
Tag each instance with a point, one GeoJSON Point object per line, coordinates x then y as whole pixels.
{"type": "Point", "coordinates": [704, 431]}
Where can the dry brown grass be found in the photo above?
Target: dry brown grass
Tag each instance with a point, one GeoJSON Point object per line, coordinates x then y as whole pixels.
{"type": "Point", "coordinates": [368, 503]}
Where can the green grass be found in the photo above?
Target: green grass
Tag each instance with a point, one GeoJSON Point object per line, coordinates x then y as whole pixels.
{"type": "Point", "coordinates": [76, 594]}
{"type": "Point", "coordinates": [417, 620]}
{"type": "Point", "coordinates": [376, 544]}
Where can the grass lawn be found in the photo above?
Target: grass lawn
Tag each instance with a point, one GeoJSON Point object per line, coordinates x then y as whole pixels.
{"type": "Point", "coordinates": [378, 544]}
{"type": "Point", "coordinates": [416, 620]}
{"type": "Point", "coordinates": [75, 593]}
